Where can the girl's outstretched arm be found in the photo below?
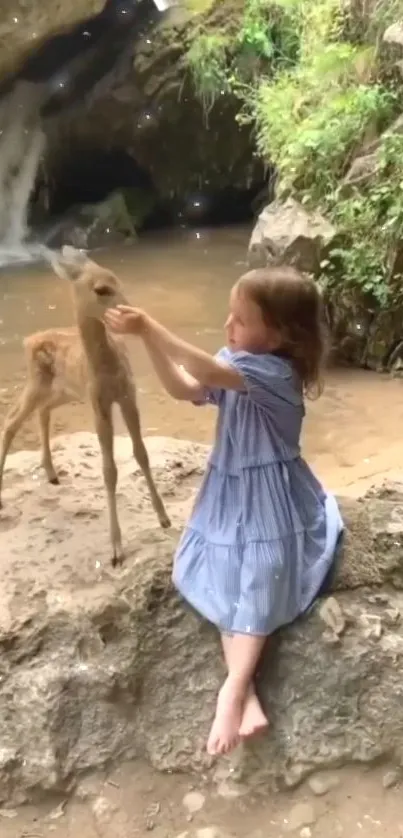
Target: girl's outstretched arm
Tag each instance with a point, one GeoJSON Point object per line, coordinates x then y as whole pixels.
{"type": "Point", "coordinates": [202, 366]}
{"type": "Point", "coordinates": [177, 382]}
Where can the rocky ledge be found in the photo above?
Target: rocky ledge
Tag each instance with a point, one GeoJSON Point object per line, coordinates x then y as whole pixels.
{"type": "Point", "coordinates": [99, 666]}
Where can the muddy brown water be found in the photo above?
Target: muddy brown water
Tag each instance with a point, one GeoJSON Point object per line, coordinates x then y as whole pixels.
{"type": "Point", "coordinates": [351, 434]}
{"type": "Point", "coordinates": [352, 437]}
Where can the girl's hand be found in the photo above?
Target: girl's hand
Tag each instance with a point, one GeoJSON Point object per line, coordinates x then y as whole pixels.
{"type": "Point", "coordinates": [126, 320]}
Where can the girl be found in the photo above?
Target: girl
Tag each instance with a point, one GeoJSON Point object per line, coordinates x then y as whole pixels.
{"type": "Point", "coordinates": [263, 532]}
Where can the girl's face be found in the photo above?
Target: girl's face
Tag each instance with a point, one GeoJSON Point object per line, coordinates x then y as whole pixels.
{"type": "Point", "coordinates": [245, 328]}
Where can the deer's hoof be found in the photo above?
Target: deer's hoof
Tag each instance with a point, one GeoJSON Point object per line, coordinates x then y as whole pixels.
{"type": "Point", "coordinates": [54, 481]}
{"type": "Point", "coordinates": [165, 522]}
{"type": "Point", "coordinates": [117, 558]}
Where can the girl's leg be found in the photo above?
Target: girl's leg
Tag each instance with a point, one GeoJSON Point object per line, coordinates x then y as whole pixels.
{"type": "Point", "coordinates": [253, 719]}
{"type": "Point", "coordinates": [245, 653]}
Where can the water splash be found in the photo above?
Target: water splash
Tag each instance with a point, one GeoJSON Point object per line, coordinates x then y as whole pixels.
{"type": "Point", "coordinates": [21, 145]}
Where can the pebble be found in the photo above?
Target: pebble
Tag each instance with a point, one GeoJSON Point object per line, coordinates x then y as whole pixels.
{"type": "Point", "coordinates": [322, 783]}
{"type": "Point", "coordinates": [211, 832]}
{"type": "Point", "coordinates": [391, 779]}
{"type": "Point", "coordinates": [302, 814]}
{"type": "Point", "coordinates": [332, 615]}
{"type": "Point", "coordinates": [306, 832]}
{"type": "Point", "coordinates": [193, 801]}
{"type": "Point", "coordinates": [103, 809]}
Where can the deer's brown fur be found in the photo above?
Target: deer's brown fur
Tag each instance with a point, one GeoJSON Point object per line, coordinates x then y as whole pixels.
{"type": "Point", "coordinates": [86, 361]}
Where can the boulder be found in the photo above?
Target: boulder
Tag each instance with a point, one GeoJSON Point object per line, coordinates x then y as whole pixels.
{"type": "Point", "coordinates": [286, 231]}
{"type": "Point", "coordinates": [99, 665]}
{"type": "Point", "coordinates": [394, 34]}
{"type": "Point", "coordinates": [95, 225]}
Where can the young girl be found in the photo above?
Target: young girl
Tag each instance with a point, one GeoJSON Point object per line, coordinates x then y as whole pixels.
{"type": "Point", "coordinates": [263, 532]}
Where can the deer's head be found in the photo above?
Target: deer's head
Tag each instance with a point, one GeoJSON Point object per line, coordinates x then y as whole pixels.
{"type": "Point", "coordinates": [95, 289]}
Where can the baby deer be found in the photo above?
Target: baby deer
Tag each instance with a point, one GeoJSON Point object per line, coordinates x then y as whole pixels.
{"type": "Point", "coordinates": [66, 365]}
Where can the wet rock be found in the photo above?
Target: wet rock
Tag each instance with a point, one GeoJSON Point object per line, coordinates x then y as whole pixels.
{"type": "Point", "coordinates": [95, 225]}
{"type": "Point", "coordinates": [286, 231]}
{"type": "Point", "coordinates": [193, 801]}
{"type": "Point", "coordinates": [98, 666]}
{"type": "Point", "coordinates": [321, 784]}
{"type": "Point", "coordinates": [301, 815]}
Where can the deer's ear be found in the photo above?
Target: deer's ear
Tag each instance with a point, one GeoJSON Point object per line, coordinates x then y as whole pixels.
{"type": "Point", "coordinates": [69, 263]}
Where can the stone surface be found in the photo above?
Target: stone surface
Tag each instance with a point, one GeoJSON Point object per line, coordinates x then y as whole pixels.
{"type": "Point", "coordinates": [391, 779]}
{"type": "Point", "coordinates": [301, 815]}
{"type": "Point", "coordinates": [194, 801]}
{"type": "Point", "coordinates": [286, 231]}
{"type": "Point", "coordinates": [96, 225]}
{"type": "Point", "coordinates": [324, 782]}
{"type": "Point", "coordinates": [145, 104]}
{"type": "Point", "coordinates": [100, 665]}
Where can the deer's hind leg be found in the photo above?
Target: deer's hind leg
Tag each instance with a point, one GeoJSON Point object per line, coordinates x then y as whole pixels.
{"type": "Point", "coordinates": [131, 417]}
{"type": "Point", "coordinates": [27, 402]}
{"type": "Point", "coordinates": [44, 414]}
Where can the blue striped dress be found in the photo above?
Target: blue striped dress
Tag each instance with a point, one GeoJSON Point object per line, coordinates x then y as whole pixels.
{"type": "Point", "coordinates": [263, 532]}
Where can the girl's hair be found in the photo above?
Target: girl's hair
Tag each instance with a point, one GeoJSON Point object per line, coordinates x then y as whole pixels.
{"type": "Point", "coordinates": [291, 303]}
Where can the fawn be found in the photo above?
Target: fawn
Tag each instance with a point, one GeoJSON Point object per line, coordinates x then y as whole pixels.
{"type": "Point", "coordinates": [66, 365]}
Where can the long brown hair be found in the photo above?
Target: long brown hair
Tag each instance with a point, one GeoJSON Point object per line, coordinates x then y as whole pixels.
{"type": "Point", "coordinates": [291, 303]}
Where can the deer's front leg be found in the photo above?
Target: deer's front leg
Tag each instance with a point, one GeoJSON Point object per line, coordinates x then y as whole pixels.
{"type": "Point", "coordinates": [104, 429]}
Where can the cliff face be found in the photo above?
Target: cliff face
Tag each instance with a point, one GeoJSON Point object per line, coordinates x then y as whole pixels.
{"type": "Point", "coordinates": [131, 92]}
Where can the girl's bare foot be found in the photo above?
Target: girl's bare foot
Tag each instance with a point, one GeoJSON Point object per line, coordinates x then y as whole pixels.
{"type": "Point", "coordinates": [254, 719]}
{"type": "Point", "coordinates": [224, 734]}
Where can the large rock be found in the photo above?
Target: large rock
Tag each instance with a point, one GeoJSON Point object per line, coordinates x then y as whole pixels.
{"type": "Point", "coordinates": [99, 666]}
{"type": "Point", "coordinates": [95, 225]}
{"type": "Point", "coordinates": [286, 231]}
{"type": "Point", "coordinates": [25, 23]}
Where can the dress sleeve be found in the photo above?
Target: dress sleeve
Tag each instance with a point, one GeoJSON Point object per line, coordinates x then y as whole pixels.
{"type": "Point", "coordinates": [270, 380]}
{"type": "Point", "coordinates": [212, 395]}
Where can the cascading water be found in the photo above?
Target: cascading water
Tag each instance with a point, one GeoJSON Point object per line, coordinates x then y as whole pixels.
{"type": "Point", "coordinates": [21, 145]}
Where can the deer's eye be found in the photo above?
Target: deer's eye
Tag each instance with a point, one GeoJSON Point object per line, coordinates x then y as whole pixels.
{"type": "Point", "coordinates": [103, 291]}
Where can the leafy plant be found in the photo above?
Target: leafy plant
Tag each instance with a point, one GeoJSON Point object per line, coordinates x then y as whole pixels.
{"type": "Point", "coordinates": [311, 85]}
{"type": "Point", "coordinates": [207, 62]}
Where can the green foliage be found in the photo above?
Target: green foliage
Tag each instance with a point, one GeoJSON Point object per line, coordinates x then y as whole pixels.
{"type": "Point", "coordinates": [312, 119]}
{"type": "Point", "coordinates": [207, 62]}
{"type": "Point", "coordinates": [232, 63]}
{"type": "Point", "coordinates": [310, 84]}
{"type": "Point", "coordinates": [370, 222]}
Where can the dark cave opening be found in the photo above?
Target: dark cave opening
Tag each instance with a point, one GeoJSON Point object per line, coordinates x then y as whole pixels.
{"type": "Point", "coordinates": [89, 175]}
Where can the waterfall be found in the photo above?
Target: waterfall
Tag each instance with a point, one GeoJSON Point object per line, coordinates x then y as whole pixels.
{"type": "Point", "coordinates": [21, 145]}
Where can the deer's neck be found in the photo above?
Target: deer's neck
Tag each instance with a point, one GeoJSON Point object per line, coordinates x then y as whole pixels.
{"type": "Point", "coordinates": [97, 346]}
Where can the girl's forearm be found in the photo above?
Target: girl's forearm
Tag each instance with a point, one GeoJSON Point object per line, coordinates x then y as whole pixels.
{"type": "Point", "coordinates": [202, 366]}
{"type": "Point", "coordinates": [177, 382]}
